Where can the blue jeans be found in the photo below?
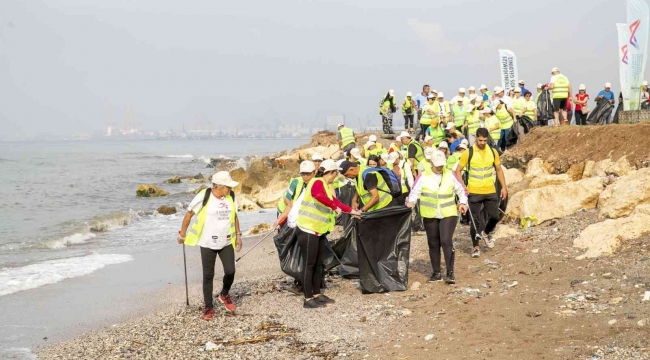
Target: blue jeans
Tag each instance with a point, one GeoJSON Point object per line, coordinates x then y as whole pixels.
{"type": "Point", "coordinates": [504, 136]}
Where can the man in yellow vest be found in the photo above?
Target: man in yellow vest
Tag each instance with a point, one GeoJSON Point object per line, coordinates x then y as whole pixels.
{"type": "Point", "coordinates": [373, 191]}
{"type": "Point", "coordinates": [482, 161]}
{"type": "Point", "coordinates": [408, 106]}
{"type": "Point", "coordinates": [414, 151]}
{"type": "Point", "coordinates": [217, 233]}
{"type": "Point", "coordinates": [561, 88]}
{"type": "Point", "coordinates": [345, 137]}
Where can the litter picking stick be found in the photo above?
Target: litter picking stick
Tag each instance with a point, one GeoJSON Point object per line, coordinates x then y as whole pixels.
{"type": "Point", "coordinates": [265, 236]}
{"type": "Point", "coordinates": [187, 295]}
{"type": "Point", "coordinates": [478, 236]}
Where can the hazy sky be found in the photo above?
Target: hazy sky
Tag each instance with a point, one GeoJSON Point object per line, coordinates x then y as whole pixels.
{"type": "Point", "coordinates": [64, 64]}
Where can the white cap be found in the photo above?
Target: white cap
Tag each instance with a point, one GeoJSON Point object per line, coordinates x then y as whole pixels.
{"type": "Point", "coordinates": [469, 107]}
{"type": "Point", "coordinates": [372, 137]}
{"type": "Point", "coordinates": [431, 96]}
{"type": "Point", "coordinates": [409, 94]}
{"type": "Point", "coordinates": [427, 138]}
{"type": "Point", "coordinates": [450, 125]}
{"type": "Point", "coordinates": [521, 82]}
{"type": "Point", "coordinates": [496, 104]}
{"type": "Point", "coordinates": [356, 153]}
{"type": "Point", "coordinates": [487, 110]}
{"type": "Point", "coordinates": [498, 89]}
{"type": "Point", "coordinates": [458, 98]}
{"type": "Point", "coordinates": [223, 178]}
{"type": "Point", "coordinates": [405, 134]}
{"type": "Point", "coordinates": [307, 166]}
{"type": "Point", "coordinates": [438, 158]}
{"type": "Point", "coordinates": [483, 87]}
{"type": "Point", "coordinates": [391, 92]}
{"type": "Point", "coordinates": [539, 86]}
{"type": "Point", "coordinates": [317, 157]}
{"type": "Point", "coordinates": [428, 152]}
{"type": "Point", "coordinates": [392, 157]}
{"type": "Point", "coordinates": [473, 97]}
{"type": "Point", "coordinates": [443, 145]}
{"type": "Point", "coordinates": [370, 143]}
{"type": "Point", "coordinates": [517, 90]}
{"type": "Point", "coordinates": [608, 85]}
{"type": "Point", "coordinates": [461, 90]}
{"type": "Point", "coordinates": [471, 88]}
{"type": "Point", "coordinates": [384, 156]}
{"type": "Point", "coordinates": [399, 138]}
{"type": "Point", "coordinates": [441, 94]}
{"type": "Point", "coordinates": [434, 91]}
{"type": "Point", "coordinates": [329, 165]}
{"type": "Point", "coordinates": [582, 87]}
{"type": "Point", "coordinates": [644, 83]}
{"type": "Point", "coordinates": [338, 163]}
{"type": "Point", "coordinates": [555, 69]}
{"type": "Point", "coordinates": [463, 144]}
{"type": "Point", "coordinates": [339, 125]}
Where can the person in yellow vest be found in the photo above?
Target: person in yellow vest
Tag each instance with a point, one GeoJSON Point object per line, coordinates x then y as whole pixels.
{"type": "Point", "coordinates": [481, 188]}
{"type": "Point", "coordinates": [471, 91]}
{"type": "Point", "coordinates": [472, 120]}
{"type": "Point", "coordinates": [387, 108]}
{"type": "Point", "coordinates": [345, 137]}
{"type": "Point", "coordinates": [437, 131]}
{"type": "Point", "coordinates": [318, 207]}
{"type": "Point", "coordinates": [408, 106]}
{"type": "Point", "coordinates": [296, 186]}
{"type": "Point", "coordinates": [355, 155]}
{"type": "Point", "coordinates": [539, 92]}
{"type": "Point", "coordinates": [441, 108]}
{"type": "Point", "coordinates": [486, 96]}
{"type": "Point", "coordinates": [459, 112]}
{"type": "Point", "coordinates": [461, 95]}
{"type": "Point", "coordinates": [428, 141]}
{"type": "Point", "coordinates": [506, 121]}
{"type": "Point", "coordinates": [436, 189]}
{"type": "Point", "coordinates": [518, 103]}
{"type": "Point", "coordinates": [444, 148]}
{"type": "Point", "coordinates": [428, 115]}
{"type": "Point", "coordinates": [217, 233]}
{"type": "Point", "coordinates": [317, 159]}
{"type": "Point", "coordinates": [414, 151]}
{"type": "Point", "coordinates": [373, 161]}
{"type": "Point", "coordinates": [396, 146]}
{"type": "Point", "coordinates": [492, 124]}
{"type": "Point", "coordinates": [372, 140]}
{"type": "Point", "coordinates": [530, 109]}
{"type": "Point", "coordinates": [561, 88]}
{"type": "Point", "coordinates": [452, 160]}
{"type": "Point", "coordinates": [425, 165]}
{"type": "Point", "coordinates": [373, 191]}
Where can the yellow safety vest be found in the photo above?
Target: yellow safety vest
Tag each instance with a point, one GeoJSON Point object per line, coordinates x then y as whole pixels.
{"type": "Point", "coordinates": [296, 194]}
{"type": "Point", "coordinates": [427, 116]}
{"type": "Point", "coordinates": [489, 124]}
{"type": "Point", "coordinates": [459, 115]}
{"type": "Point", "coordinates": [438, 134]}
{"type": "Point", "coordinates": [530, 110]}
{"type": "Point", "coordinates": [504, 118]}
{"type": "Point", "coordinates": [438, 197]}
{"type": "Point", "coordinates": [385, 197]}
{"type": "Point", "coordinates": [194, 234]}
{"type": "Point", "coordinates": [426, 166]}
{"type": "Point", "coordinates": [347, 136]}
{"type": "Point", "coordinates": [407, 107]}
{"type": "Point", "coordinates": [561, 88]}
{"type": "Point", "coordinates": [473, 122]}
{"type": "Point", "coordinates": [384, 107]}
{"type": "Point", "coordinates": [452, 160]}
{"type": "Point", "coordinates": [394, 147]}
{"type": "Point", "coordinates": [313, 215]}
{"type": "Point", "coordinates": [405, 188]}
{"type": "Point", "coordinates": [518, 105]}
{"type": "Point", "coordinates": [419, 154]}
{"type": "Point", "coordinates": [445, 109]}
{"type": "Point", "coordinates": [481, 170]}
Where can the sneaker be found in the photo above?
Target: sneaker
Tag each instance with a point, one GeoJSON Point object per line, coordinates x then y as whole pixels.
{"type": "Point", "coordinates": [436, 276]}
{"type": "Point", "coordinates": [489, 242]}
{"type": "Point", "coordinates": [476, 253]}
{"type": "Point", "coordinates": [322, 299]}
{"type": "Point", "coordinates": [312, 304]}
{"type": "Point", "coordinates": [227, 302]}
{"type": "Point", "coordinates": [450, 279]}
{"type": "Point", "coordinates": [208, 314]}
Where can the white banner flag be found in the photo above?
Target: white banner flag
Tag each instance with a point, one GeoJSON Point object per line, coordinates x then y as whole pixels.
{"type": "Point", "coordinates": [638, 15]}
{"type": "Point", "coordinates": [509, 75]}
{"type": "Point", "coordinates": [623, 36]}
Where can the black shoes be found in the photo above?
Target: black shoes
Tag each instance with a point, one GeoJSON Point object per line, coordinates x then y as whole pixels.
{"type": "Point", "coordinates": [450, 279]}
{"type": "Point", "coordinates": [312, 304]}
{"type": "Point", "coordinates": [324, 300]}
{"type": "Point", "coordinates": [435, 277]}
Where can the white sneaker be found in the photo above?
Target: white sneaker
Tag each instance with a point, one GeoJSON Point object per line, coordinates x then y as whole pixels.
{"type": "Point", "coordinates": [489, 242]}
{"type": "Point", "coordinates": [476, 253]}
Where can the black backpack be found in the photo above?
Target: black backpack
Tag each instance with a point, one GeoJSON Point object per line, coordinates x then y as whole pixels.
{"type": "Point", "coordinates": [206, 196]}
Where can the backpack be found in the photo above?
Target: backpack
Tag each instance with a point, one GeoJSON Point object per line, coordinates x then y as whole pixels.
{"type": "Point", "coordinates": [206, 197]}
{"type": "Point", "coordinates": [471, 153]}
{"type": "Point", "coordinates": [390, 178]}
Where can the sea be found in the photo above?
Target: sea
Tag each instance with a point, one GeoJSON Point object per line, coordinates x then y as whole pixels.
{"type": "Point", "coordinates": [69, 208]}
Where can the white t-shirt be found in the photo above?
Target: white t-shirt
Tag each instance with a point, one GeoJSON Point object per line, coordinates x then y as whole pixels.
{"type": "Point", "coordinates": [216, 230]}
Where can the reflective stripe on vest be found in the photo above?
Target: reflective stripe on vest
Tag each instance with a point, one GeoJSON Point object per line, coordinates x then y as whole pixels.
{"type": "Point", "coordinates": [313, 215]}
{"type": "Point", "coordinates": [296, 193]}
{"type": "Point", "coordinates": [504, 118]}
{"type": "Point", "coordinates": [561, 88]}
{"type": "Point", "coordinates": [437, 197]}
{"type": "Point", "coordinates": [419, 154]}
{"type": "Point", "coordinates": [481, 170]}
{"type": "Point", "coordinates": [459, 115]}
{"type": "Point", "coordinates": [406, 105]}
{"type": "Point", "coordinates": [385, 197]}
{"type": "Point", "coordinates": [438, 134]}
{"type": "Point", "coordinates": [490, 122]}
{"type": "Point", "coordinates": [194, 234]}
{"type": "Point", "coordinates": [347, 136]}
{"type": "Point", "coordinates": [383, 108]}
{"type": "Point", "coordinates": [473, 122]}
{"type": "Point", "coordinates": [530, 110]}
{"type": "Point", "coordinates": [427, 116]}
{"type": "Point", "coordinates": [518, 105]}
{"type": "Point", "coordinates": [445, 109]}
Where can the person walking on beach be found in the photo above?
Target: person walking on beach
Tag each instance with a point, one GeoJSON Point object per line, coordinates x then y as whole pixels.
{"type": "Point", "coordinates": [317, 211]}
{"type": "Point", "coordinates": [481, 161]}
{"type": "Point", "coordinates": [372, 191]}
{"type": "Point", "coordinates": [436, 189]}
{"type": "Point", "coordinates": [387, 108]}
{"type": "Point", "coordinates": [345, 137]}
{"type": "Point", "coordinates": [217, 233]}
{"type": "Point", "coordinates": [561, 88]}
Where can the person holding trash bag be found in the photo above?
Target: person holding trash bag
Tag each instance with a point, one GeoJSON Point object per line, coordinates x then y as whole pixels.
{"type": "Point", "coordinates": [217, 233]}
{"type": "Point", "coordinates": [296, 186]}
{"type": "Point", "coordinates": [482, 160]}
{"type": "Point", "coordinates": [315, 221]}
{"type": "Point", "coordinates": [436, 189]}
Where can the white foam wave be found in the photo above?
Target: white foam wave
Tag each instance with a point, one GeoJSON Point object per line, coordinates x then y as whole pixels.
{"type": "Point", "coordinates": [115, 221]}
{"type": "Point", "coordinates": [205, 159]}
{"type": "Point", "coordinates": [17, 354]}
{"type": "Point", "coordinates": [50, 272]}
{"type": "Point", "coordinates": [78, 238]}
{"type": "Point", "coordinates": [186, 156]}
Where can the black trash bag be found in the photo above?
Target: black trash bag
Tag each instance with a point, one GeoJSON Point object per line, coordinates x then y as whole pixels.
{"type": "Point", "coordinates": [383, 245]}
{"type": "Point", "coordinates": [291, 261]}
{"type": "Point", "coordinates": [645, 105]}
{"type": "Point", "coordinates": [346, 193]}
{"type": "Point", "coordinates": [619, 108]}
{"type": "Point", "coordinates": [513, 136]}
{"type": "Point", "coordinates": [600, 114]}
{"type": "Point", "coordinates": [544, 107]}
{"type": "Point", "coordinates": [527, 123]}
{"type": "Point", "coordinates": [417, 224]}
{"type": "Point", "coordinates": [345, 249]}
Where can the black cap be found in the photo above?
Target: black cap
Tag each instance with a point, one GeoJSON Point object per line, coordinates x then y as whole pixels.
{"type": "Point", "coordinates": [346, 165]}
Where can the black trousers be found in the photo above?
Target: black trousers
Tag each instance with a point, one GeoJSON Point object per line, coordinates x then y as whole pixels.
{"type": "Point", "coordinates": [440, 234]}
{"type": "Point", "coordinates": [312, 249]}
{"type": "Point", "coordinates": [418, 130]}
{"type": "Point", "coordinates": [408, 121]}
{"type": "Point", "coordinates": [581, 119]}
{"type": "Point", "coordinates": [387, 124]}
{"type": "Point", "coordinates": [491, 205]}
{"type": "Point", "coordinates": [208, 260]}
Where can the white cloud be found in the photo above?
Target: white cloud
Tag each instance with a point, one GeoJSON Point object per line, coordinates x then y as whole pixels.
{"type": "Point", "coordinates": [434, 37]}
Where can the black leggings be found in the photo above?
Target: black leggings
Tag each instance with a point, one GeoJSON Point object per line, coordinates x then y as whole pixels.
{"type": "Point", "coordinates": [408, 121]}
{"type": "Point", "coordinates": [208, 259]}
{"type": "Point", "coordinates": [423, 129]}
{"type": "Point", "coordinates": [491, 204]}
{"type": "Point", "coordinates": [581, 119]}
{"type": "Point", "coordinates": [312, 249]}
{"type": "Point", "coordinates": [440, 234]}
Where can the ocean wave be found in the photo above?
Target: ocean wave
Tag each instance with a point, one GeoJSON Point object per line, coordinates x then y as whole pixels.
{"type": "Point", "coordinates": [187, 156]}
{"type": "Point", "coordinates": [13, 280]}
{"type": "Point", "coordinates": [205, 159]}
{"type": "Point", "coordinates": [78, 238]}
{"type": "Point", "coordinates": [114, 221]}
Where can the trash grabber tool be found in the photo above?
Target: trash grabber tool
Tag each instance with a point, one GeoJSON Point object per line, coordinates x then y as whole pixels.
{"type": "Point", "coordinates": [249, 250]}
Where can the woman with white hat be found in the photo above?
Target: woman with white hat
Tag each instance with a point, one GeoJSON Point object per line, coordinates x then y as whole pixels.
{"type": "Point", "coordinates": [217, 233]}
{"type": "Point", "coordinates": [387, 108]}
{"type": "Point", "coordinates": [315, 220]}
{"type": "Point", "coordinates": [408, 106]}
{"type": "Point", "coordinates": [581, 99]}
{"type": "Point", "coordinates": [436, 189]}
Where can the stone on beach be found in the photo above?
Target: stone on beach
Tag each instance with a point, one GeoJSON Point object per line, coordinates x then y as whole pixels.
{"type": "Point", "coordinates": [148, 190]}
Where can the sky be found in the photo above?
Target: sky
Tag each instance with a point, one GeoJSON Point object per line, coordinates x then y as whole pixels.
{"type": "Point", "coordinates": [74, 65]}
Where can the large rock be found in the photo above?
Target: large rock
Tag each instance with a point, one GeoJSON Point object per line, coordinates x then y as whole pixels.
{"type": "Point", "coordinates": [535, 168]}
{"type": "Point", "coordinates": [267, 197]}
{"type": "Point", "coordinates": [513, 176]}
{"type": "Point", "coordinates": [505, 231]}
{"type": "Point", "coordinates": [556, 200]}
{"type": "Point", "coordinates": [262, 228]}
{"type": "Point", "coordinates": [167, 210]}
{"type": "Point", "coordinates": [175, 180]}
{"type": "Point", "coordinates": [604, 237]}
{"type": "Point", "coordinates": [148, 190]}
{"type": "Point", "coordinates": [246, 204]}
{"type": "Point", "coordinates": [620, 198]}
{"type": "Point", "coordinates": [601, 167]}
{"type": "Point", "coordinates": [548, 180]}
{"type": "Point", "coordinates": [575, 171]}
{"type": "Point", "coordinates": [589, 170]}
{"type": "Point", "coordinates": [620, 168]}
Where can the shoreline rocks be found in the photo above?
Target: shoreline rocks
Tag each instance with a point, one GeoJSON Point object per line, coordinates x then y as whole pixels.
{"type": "Point", "coordinates": [149, 190]}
